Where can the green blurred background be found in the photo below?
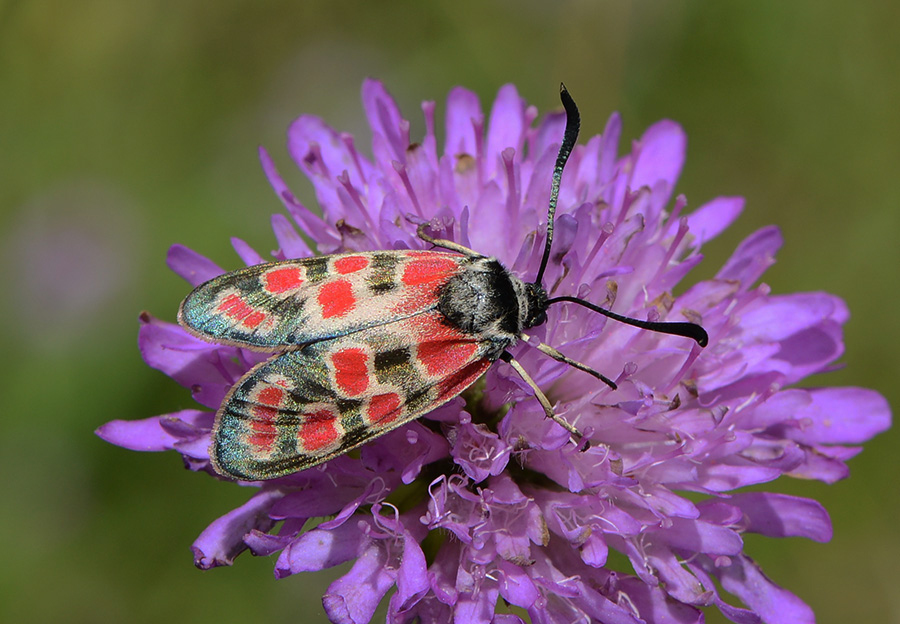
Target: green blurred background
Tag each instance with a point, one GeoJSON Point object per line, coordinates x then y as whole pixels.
{"type": "Point", "coordinates": [128, 126]}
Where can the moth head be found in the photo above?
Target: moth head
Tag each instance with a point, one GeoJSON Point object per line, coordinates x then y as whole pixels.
{"type": "Point", "coordinates": [536, 303]}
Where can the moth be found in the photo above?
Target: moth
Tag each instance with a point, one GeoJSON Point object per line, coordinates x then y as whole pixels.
{"type": "Point", "coordinates": [365, 342]}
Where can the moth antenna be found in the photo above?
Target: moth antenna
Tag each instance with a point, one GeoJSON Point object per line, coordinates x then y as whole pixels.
{"type": "Point", "coordinates": [573, 123]}
{"type": "Point", "coordinates": [688, 330]}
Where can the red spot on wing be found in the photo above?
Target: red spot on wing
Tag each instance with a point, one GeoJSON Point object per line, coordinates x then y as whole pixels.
{"type": "Point", "coordinates": [351, 371]}
{"type": "Point", "coordinates": [336, 298]}
{"type": "Point", "coordinates": [262, 427]}
{"type": "Point", "coordinates": [350, 264]}
{"type": "Point", "coordinates": [423, 276]}
{"type": "Point", "coordinates": [383, 408]}
{"type": "Point", "coordinates": [443, 357]}
{"type": "Point", "coordinates": [413, 300]}
{"type": "Point", "coordinates": [254, 319]}
{"type": "Point", "coordinates": [440, 348]}
{"type": "Point", "coordinates": [236, 308]}
{"type": "Point", "coordinates": [318, 430]}
{"type": "Point", "coordinates": [271, 395]}
{"type": "Point", "coordinates": [459, 381]}
{"type": "Point", "coordinates": [283, 279]}
{"type": "Point", "coordinates": [430, 268]}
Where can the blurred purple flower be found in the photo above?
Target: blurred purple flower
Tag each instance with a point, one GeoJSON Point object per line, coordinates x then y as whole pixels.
{"type": "Point", "coordinates": [514, 511]}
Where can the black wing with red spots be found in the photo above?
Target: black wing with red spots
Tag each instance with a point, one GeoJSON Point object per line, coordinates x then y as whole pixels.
{"type": "Point", "coordinates": [281, 305]}
{"type": "Point", "coordinates": [303, 407]}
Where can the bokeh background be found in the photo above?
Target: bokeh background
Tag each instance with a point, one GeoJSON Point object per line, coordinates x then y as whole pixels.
{"type": "Point", "coordinates": [128, 126]}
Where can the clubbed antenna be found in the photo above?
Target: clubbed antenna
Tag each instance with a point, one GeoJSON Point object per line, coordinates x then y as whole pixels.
{"type": "Point", "coordinates": [688, 330]}
{"type": "Point", "coordinates": [573, 122]}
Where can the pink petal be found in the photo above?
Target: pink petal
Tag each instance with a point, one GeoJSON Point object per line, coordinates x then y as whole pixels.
{"type": "Point", "coordinates": [661, 154]}
{"type": "Point", "coordinates": [463, 108]}
{"type": "Point", "coordinates": [385, 118]}
{"type": "Point", "coordinates": [713, 217]}
{"type": "Point", "coordinates": [506, 127]}
{"type": "Point", "coordinates": [516, 586]}
{"type": "Point", "coordinates": [318, 550]}
{"type": "Point", "coordinates": [775, 605]}
{"type": "Point", "coordinates": [353, 598]}
{"type": "Point", "coordinates": [754, 255]}
{"type": "Point", "coordinates": [846, 415]}
{"type": "Point", "coordinates": [246, 253]}
{"type": "Point", "coordinates": [781, 515]}
{"type": "Point", "coordinates": [291, 244]}
{"type": "Point", "coordinates": [223, 540]}
{"type": "Point", "coordinates": [146, 434]}
{"type": "Point", "coordinates": [193, 267]}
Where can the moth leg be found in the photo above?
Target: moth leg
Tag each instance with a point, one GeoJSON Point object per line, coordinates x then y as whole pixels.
{"type": "Point", "coordinates": [542, 399]}
{"type": "Point", "coordinates": [446, 244]}
{"type": "Point", "coordinates": [556, 355]}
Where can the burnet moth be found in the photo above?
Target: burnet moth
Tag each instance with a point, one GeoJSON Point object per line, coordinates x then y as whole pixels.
{"type": "Point", "coordinates": [365, 342]}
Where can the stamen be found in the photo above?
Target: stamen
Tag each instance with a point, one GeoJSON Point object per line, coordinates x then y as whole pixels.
{"type": "Point", "coordinates": [670, 252]}
{"type": "Point", "coordinates": [605, 232]}
{"type": "Point", "coordinates": [404, 177]}
{"type": "Point", "coordinates": [404, 132]}
{"type": "Point", "coordinates": [680, 203]}
{"type": "Point", "coordinates": [478, 127]}
{"type": "Point", "coordinates": [313, 158]}
{"type": "Point", "coordinates": [512, 193]}
{"type": "Point", "coordinates": [429, 142]}
{"type": "Point", "coordinates": [344, 180]}
{"type": "Point", "coordinates": [678, 376]}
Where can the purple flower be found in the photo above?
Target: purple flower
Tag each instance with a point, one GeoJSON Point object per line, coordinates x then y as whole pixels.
{"type": "Point", "coordinates": [512, 509]}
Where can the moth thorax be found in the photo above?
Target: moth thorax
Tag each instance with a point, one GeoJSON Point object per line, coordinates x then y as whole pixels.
{"type": "Point", "coordinates": [483, 300]}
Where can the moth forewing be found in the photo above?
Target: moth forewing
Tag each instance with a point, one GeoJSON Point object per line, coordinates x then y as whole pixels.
{"type": "Point", "coordinates": [283, 304]}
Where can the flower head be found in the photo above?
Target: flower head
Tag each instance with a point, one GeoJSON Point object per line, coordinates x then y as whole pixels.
{"type": "Point", "coordinates": [513, 509]}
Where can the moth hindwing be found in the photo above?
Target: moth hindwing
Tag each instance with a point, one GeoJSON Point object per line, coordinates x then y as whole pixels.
{"type": "Point", "coordinates": [364, 345]}
{"type": "Point", "coordinates": [365, 342]}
